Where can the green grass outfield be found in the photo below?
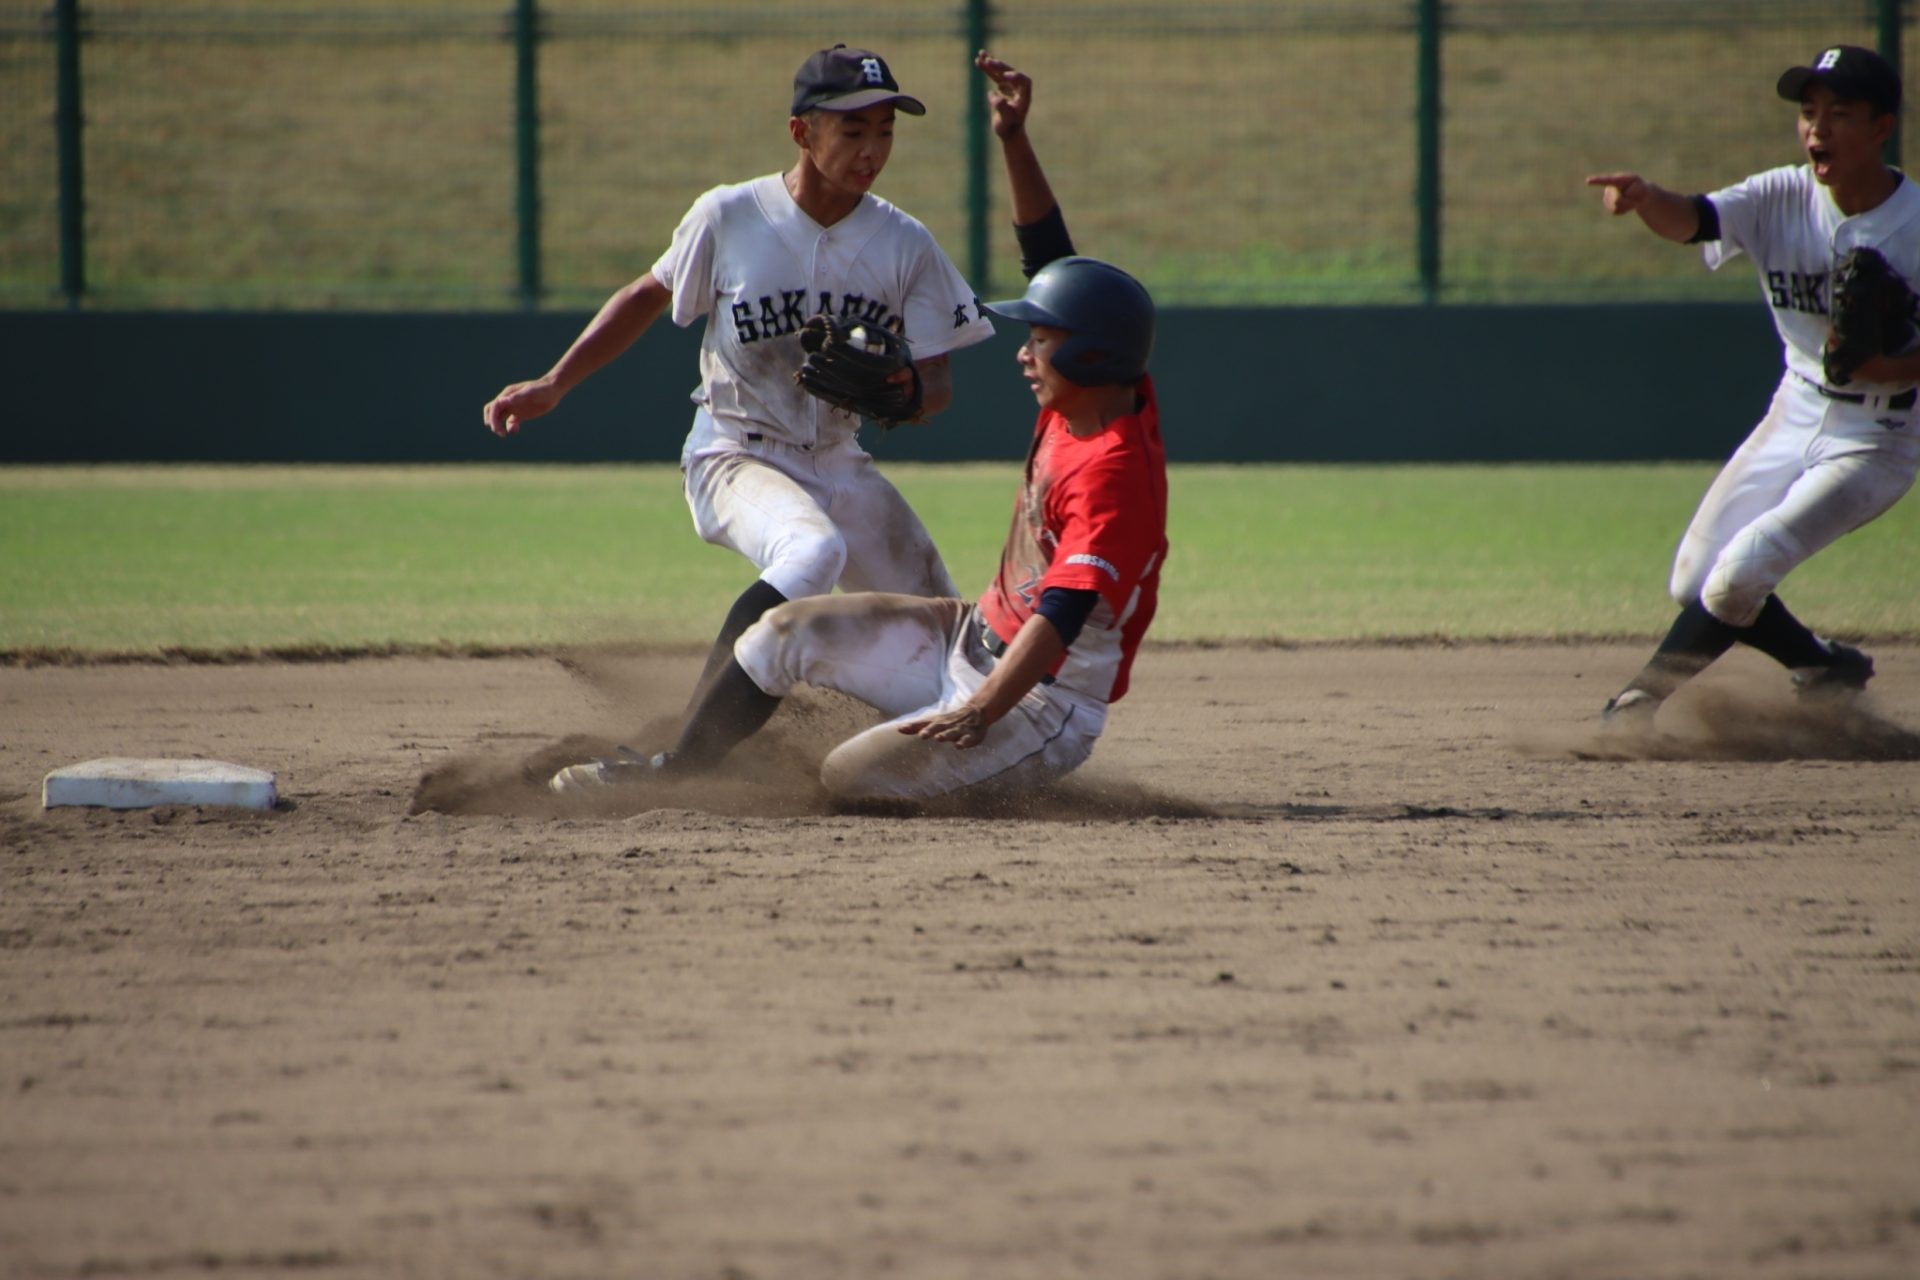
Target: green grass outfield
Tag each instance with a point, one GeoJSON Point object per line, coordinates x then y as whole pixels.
{"type": "Point", "coordinates": [146, 561]}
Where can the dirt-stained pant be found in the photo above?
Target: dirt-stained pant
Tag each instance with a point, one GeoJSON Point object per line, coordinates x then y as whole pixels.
{"type": "Point", "coordinates": [1813, 470]}
{"type": "Point", "coordinates": [907, 657]}
{"type": "Point", "coordinates": [809, 519]}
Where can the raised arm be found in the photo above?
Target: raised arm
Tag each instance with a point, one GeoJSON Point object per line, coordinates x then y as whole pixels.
{"type": "Point", "coordinates": [1037, 220]}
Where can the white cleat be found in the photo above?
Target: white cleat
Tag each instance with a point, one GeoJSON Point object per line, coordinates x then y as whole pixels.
{"type": "Point", "coordinates": [597, 775]}
{"type": "Point", "coordinates": [1633, 707]}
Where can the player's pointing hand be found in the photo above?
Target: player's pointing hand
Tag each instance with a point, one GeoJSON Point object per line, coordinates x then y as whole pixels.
{"type": "Point", "coordinates": [1011, 96]}
{"type": "Point", "coordinates": [1625, 192]}
{"type": "Point", "coordinates": [521, 402]}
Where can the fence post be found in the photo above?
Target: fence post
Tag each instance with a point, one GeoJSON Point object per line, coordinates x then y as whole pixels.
{"type": "Point", "coordinates": [72, 176]}
{"type": "Point", "coordinates": [1427, 134]}
{"type": "Point", "coordinates": [526, 126]}
{"type": "Point", "coordinates": [1888, 37]}
{"type": "Point", "coordinates": [977, 25]}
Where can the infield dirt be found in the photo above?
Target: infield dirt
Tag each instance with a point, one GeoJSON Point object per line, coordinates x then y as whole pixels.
{"type": "Point", "coordinates": [1335, 962]}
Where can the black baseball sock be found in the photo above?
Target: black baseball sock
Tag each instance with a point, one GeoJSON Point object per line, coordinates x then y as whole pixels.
{"type": "Point", "coordinates": [730, 710]}
{"type": "Point", "coordinates": [746, 611]}
{"type": "Point", "coordinates": [1694, 640]}
{"type": "Point", "coordinates": [1785, 638]}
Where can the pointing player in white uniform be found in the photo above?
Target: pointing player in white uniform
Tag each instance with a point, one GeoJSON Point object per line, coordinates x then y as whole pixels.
{"type": "Point", "coordinates": [1012, 690]}
{"type": "Point", "coordinates": [1823, 461]}
{"type": "Point", "coordinates": [772, 472]}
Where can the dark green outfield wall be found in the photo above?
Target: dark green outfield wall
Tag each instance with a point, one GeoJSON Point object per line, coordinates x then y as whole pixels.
{"type": "Point", "coordinates": [1585, 383]}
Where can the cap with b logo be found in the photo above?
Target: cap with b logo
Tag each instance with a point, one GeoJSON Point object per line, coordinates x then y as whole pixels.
{"type": "Point", "coordinates": [1853, 73]}
{"type": "Point", "coordinates": [843, 79]}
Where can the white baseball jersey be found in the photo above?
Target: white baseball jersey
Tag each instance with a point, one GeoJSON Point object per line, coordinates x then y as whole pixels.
{"type": "Point", "coordinates": [754, 264]}
{"type": "Point", "coordinates": [1823, 461]}
{"type": "Point", "coordinates": [1788, 224]}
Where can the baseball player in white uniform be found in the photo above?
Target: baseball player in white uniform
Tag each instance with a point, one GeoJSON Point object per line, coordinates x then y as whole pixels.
{"type": "Point", "coordinates": [1824, 460]}
{"type": "Point", "coordinates": [772, 472]}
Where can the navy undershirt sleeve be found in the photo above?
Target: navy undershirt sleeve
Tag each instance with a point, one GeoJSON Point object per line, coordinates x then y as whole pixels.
{"type": "Point", "coordinates": [1043, 241]}
{"type": "Point", "coordinates": [1067, 610]}
{"type": "Point", "coordinates": [1709, 228]}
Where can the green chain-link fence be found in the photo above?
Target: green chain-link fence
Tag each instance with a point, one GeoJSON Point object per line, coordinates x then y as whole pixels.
{"type": "Point", "coordinates": [454, 154]}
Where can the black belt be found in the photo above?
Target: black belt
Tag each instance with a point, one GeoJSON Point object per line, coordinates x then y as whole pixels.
{"type": "Point", "coordinates": [1899, 400]}
{"type": "Point", "coordinates": [996, 647]}
{"type": "Point", "coordinates": [755, 437]}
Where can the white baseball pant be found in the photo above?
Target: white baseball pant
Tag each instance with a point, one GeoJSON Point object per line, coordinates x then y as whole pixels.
{"type": "Point", "coordinates": [809, 519]}
{"type": "Point", "coordinates": [908, 657]}
{"type": "Point", "coordinates": [1813, 470]}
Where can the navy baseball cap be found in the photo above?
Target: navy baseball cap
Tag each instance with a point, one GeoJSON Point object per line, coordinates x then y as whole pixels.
{"type": "Point", "coordinates": [1854, 74]}
{"type": "Point", "coordinates": [843, 79]}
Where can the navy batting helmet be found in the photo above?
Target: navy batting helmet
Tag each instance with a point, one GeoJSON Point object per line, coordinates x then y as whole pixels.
{"type": "Point", "coordinates": [1106, 310]}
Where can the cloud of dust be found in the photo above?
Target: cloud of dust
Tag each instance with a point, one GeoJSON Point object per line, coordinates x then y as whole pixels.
{"type": "Point", "coordinates": [775, 774]}
{"type": "Point", "coordinates": [1739, 721]}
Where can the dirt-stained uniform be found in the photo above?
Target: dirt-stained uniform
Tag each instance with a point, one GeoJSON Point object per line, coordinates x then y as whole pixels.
{"type": "Point", "coordinates": [772, 472]}
{"type": "Point", "coordinates": [1012, 690]}
{"type": "Point", "coordinates": [1091, 516]}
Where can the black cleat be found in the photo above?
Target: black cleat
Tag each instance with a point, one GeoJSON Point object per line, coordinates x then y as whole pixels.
{"type": "Point", "coordinates": [1848, 673]}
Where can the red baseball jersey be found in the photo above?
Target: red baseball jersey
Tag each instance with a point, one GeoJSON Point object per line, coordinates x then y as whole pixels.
{"type": "Point", "coordinates": [1092, 516]}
